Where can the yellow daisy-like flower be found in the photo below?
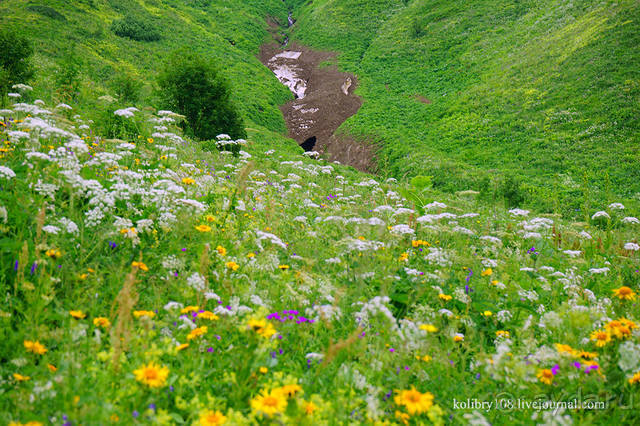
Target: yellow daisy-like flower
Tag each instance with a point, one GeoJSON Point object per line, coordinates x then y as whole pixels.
{"type": "Point", "coordinates": [20, 378]}
{"type": "Point", "coordinates": [458, 337]}
{"type": "Point", "coordinates": [503, 333]}
{"type": "Point", "coordinates": [444, 297]}
{"type": "Point", "coordinates": [263, 370]}
{"type": "Point", "coordinates": [52, 368]}
{"type": "Point", "coordinates": [425, 358]}
{"type": "Point", "coordinates": [208, 315]}
{"type": "Point", "coordinates": [152, 375]}
{"type": "Point", "coordinates": [402, 417]}
{"type": "Point", "coordinates": [53, 253]}
{"type": "Point", "coordinates": [203, 228]}
{"type": "Point", "coordinates": [269, 403]}
{"type": "Point", "coordinates": [102, 322]}
{"type": "Point", "coordinates": [150, 140]}
{"type": "Point", "coordinates": [414, 401]}
{"type": "Point", "coordinates": [309, 407]}
{"type": "Point", "coordinates": [140, 265]}
{"type": "Point", "coordinates": [545, 376]}
{"type": "Point", "coordinates": [635, 378]}
{"type": "Point", "coordinates": [211, 418]}
{"type": "Point", "coordinates": [618, 329]}
{"type": "Point", "coordinates": [601, 337]}
{"type": "Point", "coordinates": [289, 390]}
{"type": "Point", "coordinates": [486, 272]}
{"type": "Point", "coordinates": [232, 265]}
{"type": "Point", "coordinates": [262, 327]}
{"type": "Point", "coordinates": [221, 251]}
{"type": "Point", "coordinates": [403, 257]}
{"type": "Point", "coordinates": [77, 314]}
{"type": "Point", "coordinates": [197, 332]}
{"type": "Point", "coordinates": [182, 347]}
{"type": "Point", "coordinates": [251, 255]}
{"type": "Point", "coordinates": [585, 354]}
{"type": "Point", "coordinates": [487, 313]}
{"type": "Point", "coordinates": [283, 267]}
{"type": "Point", "coordinates": [188, 309]}
{"type": "Point", "coordinates": [210, 218]}
{"type": "Point", "coordinates": [34, 347]}
{"type": "Point", "coordinates": [429, 328]}
{"type": "Point", "coordinates": [188, 181]}
{"type": "Point", "coordinates": [564, 349]}
{"type": "Point", "coordinates": [624, 293]}
{"type": "Point", "coordinates": [139, 314]}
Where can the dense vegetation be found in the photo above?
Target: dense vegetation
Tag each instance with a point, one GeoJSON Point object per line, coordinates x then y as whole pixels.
{"type": "Point", "coordinates": [544, 93]}
{"type": "Point", "coordinates": [148, 278]}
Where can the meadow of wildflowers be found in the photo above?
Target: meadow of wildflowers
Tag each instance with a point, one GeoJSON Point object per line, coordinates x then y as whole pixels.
{"type": "Point", "coordinates": [147, 281]}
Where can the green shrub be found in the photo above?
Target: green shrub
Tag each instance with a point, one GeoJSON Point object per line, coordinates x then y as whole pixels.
{"type": "Point", "coordinates": [126, 88]}
{"type": "Point", "coordinates": [67, 77]}
{"type": "Point", "coordinates": [135, 28]}
{"type": "Point", "coordinates": [14, 60]}
{"type": "Point", "coordinates": [192, 86]}
{"type": "Point", "coordinates": [47, 11]}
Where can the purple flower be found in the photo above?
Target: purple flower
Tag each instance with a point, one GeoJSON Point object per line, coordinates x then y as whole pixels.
{"type": "Point", "coordinates": [577, 365]}
{"type": "Point", "coordinates": [15, 266]}
{"type": "Point", "coordinates": [152, 406]}
{"type": "Point", "coordinates": [33, 267]}
{"type": "Point", "coordinates": [555, 369]}
{"type": "Point", "coordinates": [135, 414]}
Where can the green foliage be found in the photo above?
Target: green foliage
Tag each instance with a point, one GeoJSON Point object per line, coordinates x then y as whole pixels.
{"type": "Point", "coordinates": [421, 182]}
{"type": "Point", "coordinates": [15, 66]}
{"type": "Point", "coordinates": [126, 88]}
{"type": "Point", "coordinates": [191, 85]}
{"type": "Point", "coordinates": [135, 28]}
{"type": "Point", "coordinates": [67, 76]}
{"type": "Point", "coordinates": [47, 11]}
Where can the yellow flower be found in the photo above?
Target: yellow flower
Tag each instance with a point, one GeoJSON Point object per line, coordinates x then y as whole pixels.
{"type": "Point", "coordinates": [188, 309]}
{"type": "Point", "coordinates": [140, 265]}
{"type": "Point", "coordinates": [211, 418]}
{"type": "Point", "coordinates": [487, 313]}
{"type": "Point", "coordinates": [486, 272]}
{"type": "Point", "coordinates": [425, 358]}
{"type": "Point", "coordinates": [289, 390]}
{"type": "Point", "coordinates": [77, 314]}
{"type": "Point", "coordinates": [458, 337]}
{"type": "Point", "coordinates": [601, 337]}
{"type": "Point", "coordinates": [624, 293]}
{"type": "Point", "coordinates": [197, 332]}
{"type": "Point", "coordinates": [53, 253]}
{"type": "Point", "coordinates": [403, 257]}
{"type": "Point", "coordinates": [232, 265]}
{"type": "Point", "coordinates": [402, 417]}
{"type": "Point", "coordinates": [34, 347]}
{"type": "Point", "coordinates": [503, 333]}
{"type": "Point", "coordinates": [269, 403]}
{"type": "Point", "coordinates": [152, 375]}
{"type": "Point", "coordinates": [283, 267]}
{"type": "Point", "coordinates": [182, 347]}
{"type": "Point", "coordinates": [52, 368]}
{"type": "Point", "coordinates": [635, 379]}
{"type": "Point", "coordinates": [429, 328]}
{"type": "Point", "coordinates": [545, 376]}
{"type": "Point", "coordinates": [586, 355]}
{"type": "Point", "coordinates": [208, 315]}
{"type": "Point", "coordinates": [102, 322]}
{"type": "Point", "coordinates": [444, 297]}
{"type": "Point", "coordinates": [203, 228]}
{"type": "Point", "coordinates": [150, 140]}
{"type": "Point", "coordinates": [139, 314]}
{"type": "Point", "coordinates": [263, 370]}
{"type": "Point", "coordinates": [414, 401]}
{"type": "Point", "coordinates": [564, 349]}
{"type": "Point", "coordinates": [221, 251]}
{"type": "Point", "coordinates": [250, 255]}
{"type": "Point", "coordinates": [262, 327]}
{"type": "Point", "coordinates": [188, 181]}
{"type": "Point", "coordinates": [20, 378]}
{"type": "Point", "coordinates": [309, 407]}
{"type": "Point", "coordinates": [210, 218]}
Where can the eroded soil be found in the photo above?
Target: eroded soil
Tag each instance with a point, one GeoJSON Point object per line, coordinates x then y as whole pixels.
{"type": "Point", "coordinates": [324, 100]}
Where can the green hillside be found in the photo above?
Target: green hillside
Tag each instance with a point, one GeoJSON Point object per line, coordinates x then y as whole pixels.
{"type": "Point", "coordinates": [546, 92]}
{"type": "Point", "coordinates": [80, 32]}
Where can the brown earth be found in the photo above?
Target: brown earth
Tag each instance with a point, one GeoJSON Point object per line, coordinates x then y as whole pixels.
{"type": "Point", "coordinates": [327, 102]}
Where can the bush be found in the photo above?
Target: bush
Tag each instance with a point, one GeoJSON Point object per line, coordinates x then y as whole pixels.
{"type": "Point", "coordinates": [67, 77]}
{"type": "Point", "coordinates": [14, 60]}
{"type": "Point", "coordinates": [135, 28]}
{"type": "Point", "coordinates": [126, 88]}
{"type": "Point", "coordinates": [192, 86]}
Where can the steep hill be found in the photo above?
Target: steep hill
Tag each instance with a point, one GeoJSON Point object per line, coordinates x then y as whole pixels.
{"type": "Point", "coordinates": [545, 92]}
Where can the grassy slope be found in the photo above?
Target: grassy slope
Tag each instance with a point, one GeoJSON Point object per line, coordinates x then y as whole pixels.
{"type": "Point", "coordinates": [85, 31]}
{"type": "Point", "coordinates": [546, 91]}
